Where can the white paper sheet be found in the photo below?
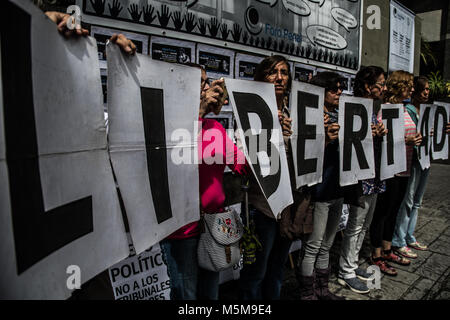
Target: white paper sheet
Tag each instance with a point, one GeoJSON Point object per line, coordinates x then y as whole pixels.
{"type": "Point", "coordinates": [179, 87]}
{"type": "Point", "coordinates": [308, 171]}
{"type": "Point", "coordinates": [394, 142]}
{"type": "Point", "coordinates": [351, 169]}
{"type": "Point", "coordinates": [72, 164]}
{"type": "Point", "coordinates": [273, 176]}
{"type": "Point", "coordinates": [440, 138]}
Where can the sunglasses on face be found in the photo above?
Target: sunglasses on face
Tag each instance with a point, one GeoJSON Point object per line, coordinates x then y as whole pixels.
{"type": "Point", "coordinates": [334, 89]}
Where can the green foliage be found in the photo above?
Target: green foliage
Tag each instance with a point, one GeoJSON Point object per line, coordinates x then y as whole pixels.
{"type": "Point", "coordinates": [427, 54]}
{"type": "Point", "coordinates": [439, 87]}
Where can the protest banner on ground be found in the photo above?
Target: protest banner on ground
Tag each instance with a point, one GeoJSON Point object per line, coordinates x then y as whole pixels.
{"type": "Point", "coordinates": [153, 108]}
{"type": "Point", "coordinates": [141, 277]}
{"type": "Point", "coordinates": [255, 109]}
{"type": "Point", "coordinates": [393, 152]}
{"type": "Point", "coordinates": [308, 137]}
{"type": "Point", "coordinates": [355, 140]}
{"type": "Point", "coordinates": [60, 218]}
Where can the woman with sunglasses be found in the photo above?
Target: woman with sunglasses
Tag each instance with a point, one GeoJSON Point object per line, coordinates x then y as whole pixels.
{"type": "Point", "coordinates": [328, 197]}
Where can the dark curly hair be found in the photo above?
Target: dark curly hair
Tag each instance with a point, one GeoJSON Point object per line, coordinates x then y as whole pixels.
{"type": "Point", "coordinates": [366, 75]}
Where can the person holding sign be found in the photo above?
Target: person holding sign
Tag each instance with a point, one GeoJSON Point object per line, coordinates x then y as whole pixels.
{"type": "Point", "coordinates": [369, 83]}
{"type": "Point", "coordinates": [328, 197]}
{"type": "Point", "coordinates": [399, 89]}
{"type": "Point", "coordinates": [263, 278]}
{"type": "Point", "coordinates": [187, 280]}
{"type": "Point", "coordinates": [98, 285]}
{"type": "Point", "coordinates": [403, 238]}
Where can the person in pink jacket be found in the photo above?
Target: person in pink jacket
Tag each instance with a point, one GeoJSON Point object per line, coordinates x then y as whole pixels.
{"type": "Point", "coordinates": [187, 280]}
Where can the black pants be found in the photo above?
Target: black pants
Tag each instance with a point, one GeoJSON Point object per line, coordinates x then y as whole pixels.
{"type": "Point", "coordinates": [385, 215]}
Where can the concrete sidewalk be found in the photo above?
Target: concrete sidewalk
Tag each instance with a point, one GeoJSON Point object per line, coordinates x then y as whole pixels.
{"type": "Point", "coordinates": [428, 276]}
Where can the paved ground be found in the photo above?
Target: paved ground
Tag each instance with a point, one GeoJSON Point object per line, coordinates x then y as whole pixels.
{"type": "Point", "coordinates": [428, 276]}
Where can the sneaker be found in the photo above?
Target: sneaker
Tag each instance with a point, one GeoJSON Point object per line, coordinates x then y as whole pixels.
{"type": "Point", "coordinates": [418, 246]}
{"type": "Point", "coordinates": [392, 257]}
{"type": "Point", "coordinates": [384, 267]}
{"type": "Point", "coordinates": [362, 274]}
{"type": "Point", "coordinates": [354, 284]}
{"type": "Point", "coordinates": [406, 252]}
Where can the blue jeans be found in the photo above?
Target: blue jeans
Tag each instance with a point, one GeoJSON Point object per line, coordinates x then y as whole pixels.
{"type": "Point", "coordinates": [409, 209]}
{"type": "Point", "coordinates": [182, 267]}
{"type": "Point", "coordinates": [208, 285]}
{"type": "Point", "coordinates": [263, 278]}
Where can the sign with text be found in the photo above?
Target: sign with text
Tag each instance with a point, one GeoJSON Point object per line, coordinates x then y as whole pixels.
{"type": "Point", "coordinates": [424, 126]}
{"type": "Point", "coordinates": [255, 109]}
{"type": "Point", "coordinates": [355, 140]}
{"type": "Point", "coordinates": [308, 137]}
{"type": "Point", "coordinates": [440, 137]}
{"type": "Point", "coordinates": [401, 38]}
{"type": "Point", "coordinates": [393, 152]}
{"type": "Point", "coordinates": [59, 210]}
{"type": "Point", "coordinates": [149, 102]}
{"type": "Point", "coordinates": [141, 277]}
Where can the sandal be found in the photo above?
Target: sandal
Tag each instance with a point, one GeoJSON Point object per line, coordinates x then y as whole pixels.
{"type": "Point", "coordinates": [392, 257]}
{"type": "Point", "coordinates": [406, 252]}
{"type": "Point", "coordinates": [418, 246]}
{"type": "Point", "coordinates": [384, 267]}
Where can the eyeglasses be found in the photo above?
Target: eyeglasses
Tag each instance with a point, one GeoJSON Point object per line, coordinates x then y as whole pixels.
{"type": "Point", "coordinates": [274, 73]}
{"type": "Point", "coordinates": [335, 89]}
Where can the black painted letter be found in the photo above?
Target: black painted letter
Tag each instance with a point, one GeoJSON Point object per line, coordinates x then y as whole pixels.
{"type": "Point", "coordinates": [248, 103]}
{"type": "Point", "coordinates": [155, 145]}
{"type": "Point", "coordinates": [440, 111]}
{"type": "Point", "coordinates": [37, 233]}
{"type": "Point", "coordinates": [424, 125]}
{"type": "Point", "coordinates": [390, 114]}
{"type": "Point", "coordinates": [352, 138]}
{"type": "Point", "coordinates": [305, 100]}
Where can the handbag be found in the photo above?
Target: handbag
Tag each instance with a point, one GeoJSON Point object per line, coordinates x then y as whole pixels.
{"type": "Point", "coordinates": [218, 247]}
{"type": "Point", "coordinates": [297, 219]}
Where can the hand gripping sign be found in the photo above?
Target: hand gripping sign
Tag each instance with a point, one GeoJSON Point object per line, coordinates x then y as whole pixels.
{"type": "Point", "coordinates": [148, 101]}
{"type": "Point", "coordinates": [255, 108]}
{"type": "Point", "coordinates": [58, 204]}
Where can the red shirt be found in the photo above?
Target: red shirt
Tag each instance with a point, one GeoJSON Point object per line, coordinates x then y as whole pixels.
{"type": "Point", "coordinates": [215, 151]}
